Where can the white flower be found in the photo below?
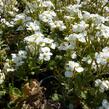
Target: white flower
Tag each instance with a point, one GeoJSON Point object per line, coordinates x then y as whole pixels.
{"type": "Point", "coordinates": [103, 31]}
{"type": "Point", "coordinates": [45, 54]}
{"type": "Point", "coordinates": [22, 54]}
{"type": "Point", "coordinates": [105, 104]}
{"type": "Point", "coordinates": [80, 37]}
{"type": "Point", "coordinates": [103, 85]}
{"type": "Point", "coordinates": [106, 9]}
{"type": "Point", "coordinates": [97, 19]}
{"type": "Point", "coordinates": [87, 59]}
{"type": "Point", "coordinates": [106, 49]}
{"type": "Point", "coordinates": [18, 58]}
{"type": "Point", "coordinates": [7, 23]}
{"type": "Point", "coordinates": [74, 10]}
{"type": "Point", "coordinates": [64, 46]}
{"type": "Point", "coordinates": [71, 38]}
{"type": "Point", "coordinates": [86, 15]}
{"type": "Point", "coordinates": [47, 16]}
{"type": "Point", "coordinates": [59, 24]}
{"type": "Point", "coordinates": [69, 17]}
{"type": "Point", "coordinates": [35, 38]}
{"type": "Point", "coordinates": [45, 49]}
{"type": "Point", "coordinates": [102, 57]}
{"type": "Point", "coordinates": [71, 66]}
{"type": "Point", "coordinates": [98, 82]}
{"type": "Point", "coordinates": [32, 26]}
{"type": "Point", "coordinates": [2, 77]}
{"type": "Point", "coordinates": [79, 69]}
{"type": "Point", "coordinates": [53, 45]}
{"type": "Point", "coordinates": [19, 17]}
{"type": "Point", "coordinates": [8, 67]}
{"type": "Point", "coordinates": [1, 3]}
{"type": "Point", "coordinates": [68, 74]}
{"type": "Point", "coordinates": [52, 25]}
{"type": "Point", "coordinates": [80, 27]}
{"type": "Point", "coordinates": [47, 4]}
{"type": "Point", "coordinates": [74, 55]}
{"type": "Point", "coordinates": [47, 40]}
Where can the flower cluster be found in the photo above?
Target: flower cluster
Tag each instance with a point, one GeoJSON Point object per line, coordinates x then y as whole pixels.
{"type": "Point", "coordinates": [102, 57]}
{"type": "Point", "coordinates": [103, 85]}
{"type": "Point", "coordinates": [72, 67]}
{"type": "Point", "coordinates": [37, 42]}
{"type": "Point", "coordinates": [18, 58]}
{"type": "Point", "coordinates": [68, 38]}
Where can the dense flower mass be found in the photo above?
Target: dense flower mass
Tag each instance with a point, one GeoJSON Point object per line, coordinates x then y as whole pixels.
{"type": "Point", "coordinates": [68, 39]}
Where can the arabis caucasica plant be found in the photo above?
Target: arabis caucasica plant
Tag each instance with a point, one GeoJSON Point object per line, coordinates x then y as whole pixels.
{"type": "Point", "coordinates": [69, 38]}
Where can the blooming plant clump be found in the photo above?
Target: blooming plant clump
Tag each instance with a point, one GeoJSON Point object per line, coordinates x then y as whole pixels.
{"type": "Point", "coordinates": [62, 44]}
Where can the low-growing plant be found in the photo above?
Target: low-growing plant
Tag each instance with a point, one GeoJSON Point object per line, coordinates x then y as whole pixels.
{"type": "Point", "coordinates": [60, 45]}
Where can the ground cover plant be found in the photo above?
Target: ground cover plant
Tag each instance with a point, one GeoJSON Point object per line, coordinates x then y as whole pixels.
{"type": "Point", "coordinates": [54, 54]}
